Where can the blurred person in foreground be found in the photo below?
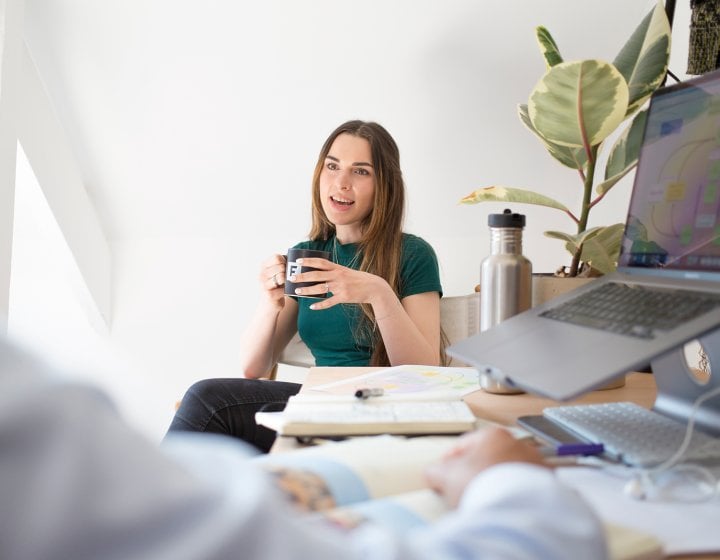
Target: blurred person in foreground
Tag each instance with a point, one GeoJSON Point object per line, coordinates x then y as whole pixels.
{"type": "Point", "coordinates": [76, 482]}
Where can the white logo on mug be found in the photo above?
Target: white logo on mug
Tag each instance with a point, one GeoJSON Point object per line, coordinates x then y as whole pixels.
{"type": "Point", "coordinates": [293, 268]}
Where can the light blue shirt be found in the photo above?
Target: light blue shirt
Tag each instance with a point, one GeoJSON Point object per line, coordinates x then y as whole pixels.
{"type": "Point", "coordinates": [76, 482]}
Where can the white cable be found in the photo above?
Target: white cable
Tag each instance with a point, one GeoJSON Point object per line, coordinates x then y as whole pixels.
{"type": "Point", "coordinates": [637, 489]}
{"type": "Point", "coordinates": [688, 433]}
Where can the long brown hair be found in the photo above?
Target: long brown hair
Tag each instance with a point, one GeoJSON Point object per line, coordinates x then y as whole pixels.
{"type": "Point", "coordinates": [381, 245]}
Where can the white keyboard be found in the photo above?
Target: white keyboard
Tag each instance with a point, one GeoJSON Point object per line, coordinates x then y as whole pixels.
{"type": "Point", "coordinates": [632, 434]}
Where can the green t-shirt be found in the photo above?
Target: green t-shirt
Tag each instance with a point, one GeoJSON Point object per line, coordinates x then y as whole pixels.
{"type": "Point", "coordinates": [330, 334]}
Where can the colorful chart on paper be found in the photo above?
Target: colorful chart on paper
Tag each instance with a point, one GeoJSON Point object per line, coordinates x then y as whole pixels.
{"type": "Point", "coordinates": [403, 380]}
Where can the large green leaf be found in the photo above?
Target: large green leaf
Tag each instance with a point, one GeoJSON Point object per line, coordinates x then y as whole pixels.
{"type": "Point", "coordinates": [643, 60]}
{"type": "Point", "coordinates": [601, 251]}
{"type": "Point", "coordinates": [574, 241]}
{"type": "Point", "coordinates": [626, 150]}
{"type": "Point", "coordinates": [624, 155]}
{"type": "Point", "coordinates": [573, 158]}
{"type": "Point", "coordinates": [600, 245]}
{"type": "Point", "coordinates": [578, 103]}
{"type": "Point", "coordinates": [499, 193]}
{"type": "Point", "coordinates": [548, 47]}
{"type": "Point", "coordinates": [606, 185]}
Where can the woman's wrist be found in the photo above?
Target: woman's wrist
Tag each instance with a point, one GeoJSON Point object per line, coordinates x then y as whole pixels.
{"type": "Point", "coordinates": [386, 304]}
{"type": "Point", "coordinates": [271, 303]}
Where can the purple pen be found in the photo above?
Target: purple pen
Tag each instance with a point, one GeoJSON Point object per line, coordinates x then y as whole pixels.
{"type": "Point", "coordinates": [579, 449]}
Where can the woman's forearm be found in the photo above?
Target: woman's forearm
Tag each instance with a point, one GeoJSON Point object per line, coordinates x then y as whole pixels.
{"type": "Point", "coordinates": [256, 344]}
{"type": "Point", "coordinates": [268, 332]}
{"type": "Point", "coordinates": [410, 329]}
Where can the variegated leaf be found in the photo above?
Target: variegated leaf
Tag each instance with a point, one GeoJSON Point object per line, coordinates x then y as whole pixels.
{"type": "Point", "coordinates": [575, 239]}
{"type": "Point", "coordinates": [643, 60]}
{"type": "Point", "coordinates": [624, 155]}
{"type": "Point", "coordinates": [578, 103]}
{"type": "Point", "coordinates": [602, 250]}
{"type": "Point", "coordinates": [568, 238]}
{"type": "Point", "coordinates": [574, 158]}
{"type": "Point", "coordinates": [499, 193]}
{"type": "Point", "coordinates": [548, 47]}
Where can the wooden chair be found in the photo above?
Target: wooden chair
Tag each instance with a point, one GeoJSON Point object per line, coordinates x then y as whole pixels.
{"type": "Point", "coordinates": [460, 318]}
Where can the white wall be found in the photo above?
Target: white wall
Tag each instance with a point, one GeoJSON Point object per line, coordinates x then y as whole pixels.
{"type": "Point", "coordinates": [198, 126]}
{"type": "Point", "coordinates": [11, 13]}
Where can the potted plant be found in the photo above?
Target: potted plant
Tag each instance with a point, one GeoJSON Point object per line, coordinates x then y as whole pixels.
{"type": "Point", "coordinates": [573, 109]}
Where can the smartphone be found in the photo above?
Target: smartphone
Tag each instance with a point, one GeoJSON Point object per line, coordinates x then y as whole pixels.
{"type": "Point", "coordinates": [549, 431]}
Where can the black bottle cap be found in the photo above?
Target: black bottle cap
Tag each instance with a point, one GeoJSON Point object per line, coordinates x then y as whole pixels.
{"type": "Point", "coordinates": [507, 219]}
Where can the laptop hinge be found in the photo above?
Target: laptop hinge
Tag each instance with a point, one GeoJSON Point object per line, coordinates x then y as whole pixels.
{"type": "Point", "coordinates": [679, 388]}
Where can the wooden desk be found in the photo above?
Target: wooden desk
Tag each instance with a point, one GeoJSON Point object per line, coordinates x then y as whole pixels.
{"type": "Point", "coordinates": [503, 409]}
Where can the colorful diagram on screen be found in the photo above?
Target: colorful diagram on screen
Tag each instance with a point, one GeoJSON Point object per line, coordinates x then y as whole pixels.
{"type": "Point", "coordinates": [675, 210]}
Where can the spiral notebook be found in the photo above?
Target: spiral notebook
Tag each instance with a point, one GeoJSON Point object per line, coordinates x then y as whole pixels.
{"type": "Point", "coordinates": [415, 399]}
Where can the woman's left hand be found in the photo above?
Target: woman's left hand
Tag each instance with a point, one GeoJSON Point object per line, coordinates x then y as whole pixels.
{"type": "Point", "coordinates": [342, 284]}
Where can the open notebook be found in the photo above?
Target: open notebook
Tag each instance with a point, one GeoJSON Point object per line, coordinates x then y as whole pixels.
{"type": "Point", "coordinates": [414, 400]}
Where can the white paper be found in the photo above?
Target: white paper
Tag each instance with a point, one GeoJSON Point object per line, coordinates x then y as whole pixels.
{"type": "Point", "coordinates": [407, 380]}
{"type": "Point", "coordinates": [683, 528]}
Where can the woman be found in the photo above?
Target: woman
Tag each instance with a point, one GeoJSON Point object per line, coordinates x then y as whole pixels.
{"type": "Point", "coordinates": [383, 288]}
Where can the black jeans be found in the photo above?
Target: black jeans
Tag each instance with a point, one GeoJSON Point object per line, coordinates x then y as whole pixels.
{"type": "Point", "coordinates": [228, 406]}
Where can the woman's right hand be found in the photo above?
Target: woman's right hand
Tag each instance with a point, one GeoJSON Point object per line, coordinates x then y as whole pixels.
{"type": "Point", "coordinates": [473, 453]}
{"type": "Point", "coordinates": [273, 324]}
{"type": "Point", "coordinates": [272, 280]}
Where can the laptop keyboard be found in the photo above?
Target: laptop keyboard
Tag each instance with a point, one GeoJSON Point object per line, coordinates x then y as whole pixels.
{"type": "Point", "coordinates": [633, 310]}
{"type": "Point", "coordinates": [632, 434]}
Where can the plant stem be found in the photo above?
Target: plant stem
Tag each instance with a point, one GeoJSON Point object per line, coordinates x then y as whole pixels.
{"type": "Point", "coordinates": [586, 206]}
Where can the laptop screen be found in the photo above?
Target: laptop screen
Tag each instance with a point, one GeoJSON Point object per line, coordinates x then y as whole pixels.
{"type": "Point", "coordinates": [673, 223]}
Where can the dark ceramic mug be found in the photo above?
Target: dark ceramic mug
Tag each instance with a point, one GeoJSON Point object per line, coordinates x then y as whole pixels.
{"type": "Point", "coordinates": [292, 267]}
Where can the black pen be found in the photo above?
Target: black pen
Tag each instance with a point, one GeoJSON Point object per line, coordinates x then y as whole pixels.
{"type": "Point", "coordinates": [369, 392]}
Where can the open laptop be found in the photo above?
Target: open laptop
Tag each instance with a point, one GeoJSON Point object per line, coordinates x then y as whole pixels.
{"type": "Point", "coordinates": [671, 244]}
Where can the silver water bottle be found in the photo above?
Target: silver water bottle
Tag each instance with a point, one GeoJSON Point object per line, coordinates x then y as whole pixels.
{"type": "Point", "coordinates": [505, 281]}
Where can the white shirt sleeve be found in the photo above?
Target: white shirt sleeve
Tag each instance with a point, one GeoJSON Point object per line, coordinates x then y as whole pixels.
{"type": "Point", "coordinates": [521, 511]}
{"type": "Point", "coordinates": [76, 482]}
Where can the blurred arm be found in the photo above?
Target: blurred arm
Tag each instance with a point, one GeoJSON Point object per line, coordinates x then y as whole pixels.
{"type": "Point", "coordinates": [78, 483]}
